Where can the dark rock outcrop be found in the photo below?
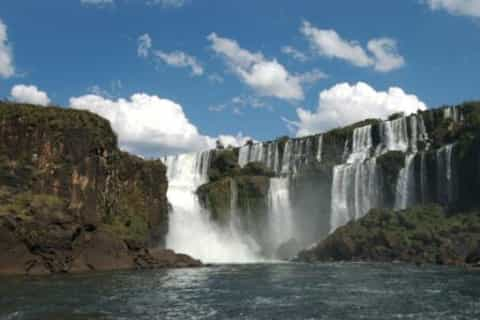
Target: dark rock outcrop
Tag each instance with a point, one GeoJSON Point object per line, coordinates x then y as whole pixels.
{"type": "Point", "coordinates": [71, 201]}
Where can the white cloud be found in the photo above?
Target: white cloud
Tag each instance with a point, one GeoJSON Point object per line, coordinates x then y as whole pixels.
{"type": "Point", "coordinates": [149, 125]}
{"type": "Point", "coordinates": [234, 141]}
{"type": "Point", "coordinates": [294, 53]}
{"type": "Point", "coordinates": [312, 76]}
{"type": "Point", "coordinates": [7, 68]}
{"type": "Point", "coordinates": [29, 94]}
{"type": "Point", "coordinates": [248, 101]}
{"type": "Point", "coordinates": [457, 7]}
{"type": "Point", "coordinates": [144, 44]}
{"type": "Point", "coordinates": [329, 43]}
{"type": "Point", "coordinates": [99, 3]}
{"type": "Point", "coordinates": [266, 77]}
{"type": "Point", "coordinates": [344, 104]}
{"type": "Point", "coordinates": [168, 3]}
{"type": "Point", "coordinates": [180, 59]}
{"type": "Point", "coordinates": [386, 56]}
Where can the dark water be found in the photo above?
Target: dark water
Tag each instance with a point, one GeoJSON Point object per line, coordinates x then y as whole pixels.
{"type": "Point", "coordinates": [276, 291]}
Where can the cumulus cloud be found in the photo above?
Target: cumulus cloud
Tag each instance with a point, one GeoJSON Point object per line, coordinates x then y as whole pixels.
{"type": "Point", "coordinates": [180, 59]}
{"type": "Point", "coordinates": [344, 104]}
{"type": "Point", "coordinates": [294, 53]}
{"type": "Point", "coordinates": [29, 94]}
{"type": "Point", "coordinates": [6, 56]}
{"type": "Point", "coordinates": [457, 7]}
{"type": "Point", "coordinates": [266, 77]}
{"type": "Point", "coordinates": [144, 44]}
{"type": "Point", "coordinates": [384, 55]}
{"type": "Point", "coordinates": [151, 126]}
{"type": "Point", "coordinates": [99, 3]}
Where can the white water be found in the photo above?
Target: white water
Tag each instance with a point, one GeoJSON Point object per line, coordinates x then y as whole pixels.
{"type": "Point", "coordinates": [452, 113]}
{"type": "Point", "coordinates": [190, 229]}
{"type": "Point", "coordinates": [395, 134]}
{"type": "Point", "coordinates": [280, 216]}
{"type": "Point", "coordinates": [403, 194]}
{"type": "Point", "coordinates": [320, 148]}
{"type": "Point", "coordinates": [354, 184]}
{"type": "Point", "coordinates": [445, 174]}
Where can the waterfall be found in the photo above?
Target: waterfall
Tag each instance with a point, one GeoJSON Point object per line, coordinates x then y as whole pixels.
{"type": "Point", "coordinates": [190, 229]}
{"type": "Point", "coordinates": [395, 135]}
{"type": "Point", "coordinates": [266, 153]}
{"type": "Point", "coordinates": [319, 148]}
{"type": "Point", "coordinates": [405, 184]}
{"type": "Point", "coordinates": [361, 144]}
{"type": "Point", "coordinates": [243, 155]}
{"type": "Point", "coordinates": [251, 153]}
{"type": "Point", "coordinates": [423, 178]}
{"type": "Point", "coordinates": [452, 113]}
{"type": "Point", "coordinates": [354, 187]}
{"type": "Point", "coordinates": [280, 215]}
{"type": "Point", "coordinates": [445, 191]}
{"type": "Point", "coordinates": [285, 164]}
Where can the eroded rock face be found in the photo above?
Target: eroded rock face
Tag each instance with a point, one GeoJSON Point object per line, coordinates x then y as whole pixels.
{"type": "Point", "coordinates": [71, 201]}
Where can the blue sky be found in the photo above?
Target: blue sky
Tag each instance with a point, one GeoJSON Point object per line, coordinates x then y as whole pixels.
{"type": "Point", "coordinates": [75, 48]}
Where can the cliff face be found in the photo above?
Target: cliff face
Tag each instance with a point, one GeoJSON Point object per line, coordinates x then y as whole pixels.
{"type": "Point", "coordinates": [69, 199]}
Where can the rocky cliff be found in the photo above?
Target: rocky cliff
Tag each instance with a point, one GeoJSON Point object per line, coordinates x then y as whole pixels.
{"type": "Point", "coordinates": [71, 201]}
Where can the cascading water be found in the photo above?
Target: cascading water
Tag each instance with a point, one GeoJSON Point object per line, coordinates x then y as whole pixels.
{"type": "Point", "coordinates": [395, 135]}
{"type": "Point", "coordinates": [445, 192]}
{"type": "Point", "coordinates": [354, 187]}
{"type": "Point", "coordinates": [403, 195]}
{"type": "Point", "coordinates": [280, 216]}
{"type": "Point", "coordinates": [190, 229]}
{"type": "Point", "coordinates": [319, 148]}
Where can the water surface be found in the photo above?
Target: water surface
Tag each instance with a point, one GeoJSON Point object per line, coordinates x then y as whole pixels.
{"type": "Point", "coordinates": [265, 291]}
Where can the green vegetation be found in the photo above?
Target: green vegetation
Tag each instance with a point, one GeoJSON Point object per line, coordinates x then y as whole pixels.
{"type": "Point", "coordinates": [58, 122]}
{"type": "Point", "coordinates": [425, 234]}
{"type": "Point", "coordinates": [28, 206]}
{"type": "Point", "coordinates": [225, 164]}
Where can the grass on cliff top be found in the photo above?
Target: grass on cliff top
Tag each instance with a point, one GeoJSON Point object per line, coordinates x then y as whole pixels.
{"type": "Point", "coordinates": [56, 119]}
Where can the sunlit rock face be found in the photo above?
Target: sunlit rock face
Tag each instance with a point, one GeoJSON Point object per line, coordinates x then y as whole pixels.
{"type": "Point", "coordinates": [310, 186]}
